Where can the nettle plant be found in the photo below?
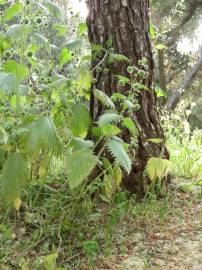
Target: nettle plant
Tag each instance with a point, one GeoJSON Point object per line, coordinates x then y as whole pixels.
{"type": "Point", "coordinates": [45, 84]}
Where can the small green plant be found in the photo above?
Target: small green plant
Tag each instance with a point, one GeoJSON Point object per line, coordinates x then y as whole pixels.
{"type": "Point", "coordinates": [185, 147]}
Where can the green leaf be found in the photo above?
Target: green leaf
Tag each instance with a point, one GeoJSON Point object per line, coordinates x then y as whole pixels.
{"type": "Point", "coordinates": [82, 28]}
{"type": "Point", "coordinates": [12, 11]}
{"type": "Point", "coordinates": [117, 174]}
{"type": "Point", "coordinates": [108, 189]}
{"type": "Point", "coordinates": [156, 140]}
{"type": "Point", "coordinates": [109, 130]}
{"type": "Point", "coordinates": [3, 2]}
{"type": "Point", "coordinates": [14, 176]}
{"type": "Point", "coordinates": [8, 82]}
{"type": "Point", "coordinates": [118, 152]}
{"type": "Point", "coordinates": [160, 92]}
{"type": "Point", "coordinates": [84, 82]}
{"type": "Point", "coordinates": [20, 70]}
{"type": "Point", "coordinates": [58, 81]}
{"type": "Point", "coordinates": [54, 9]}
{"type": "Point", "coordinates": [23, 89]}
{"type": "Point", "coordinates": [140, 86]}
{"type": "Point", "coordinates": [152, 32]}
{"type": "Point", "coordinates": [80, 120]}
{"type": "Point", "coordinates": [79, 143]}
{"type": "Point", "coordinates": [118, 58]}
{"type": "Point", "coordinates": [123, 78]}
{"type": "Point", "coordinates": [17, 32]}
{"type": "Point", "coordinates": [104, 99]}
{"type": "Point", "coordinates": [49, 261]}
{"type": "Point", "coordinates": [157, 168]}
{"type": "Point", "coordinates": [3, 136]}
{"type": "Point", "coordinates": [62, 29]}
{"type": "Point", "coordinates": [130, 125]}
{"type": "Point", "coordinates": [160, 46]}
{"type": "Point", "coordinates": [41, 135]}
{"type": "Point", "coordinates": [79, 166]}
{"type": "Point", "coordinates": [39, 39]}
{"type": "Point", "coordinates": [109, 118]}
{"type": "Point", "coordinates": [65, 56]}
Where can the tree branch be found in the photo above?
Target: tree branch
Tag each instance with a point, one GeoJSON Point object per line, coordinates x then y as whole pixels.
{"type": "Point", "coordinates": [189, 76]}
{"type": "Point", "coordinates": [175, 32]}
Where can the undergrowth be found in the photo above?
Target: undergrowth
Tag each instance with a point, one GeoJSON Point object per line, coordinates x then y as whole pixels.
{"type": "Point", "coordinates": [185, 147]}
{"type": "Point", "coordinates": [74, 231]}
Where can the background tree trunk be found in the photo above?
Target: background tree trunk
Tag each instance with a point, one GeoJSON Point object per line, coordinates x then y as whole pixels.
{"type": "Point", "coordinates": [126, 23]}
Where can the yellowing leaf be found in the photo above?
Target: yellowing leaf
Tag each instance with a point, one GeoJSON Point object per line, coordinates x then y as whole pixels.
{"type": "Point", "coordinates": [117, 175]}
{"type": "Point", "coordinates": [157, 168]}
{"type": "Point", "coordinates": [17, 203]}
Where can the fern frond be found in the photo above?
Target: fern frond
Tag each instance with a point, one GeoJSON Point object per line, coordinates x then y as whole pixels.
{"type": "Point", "coordinates": [156, 140]}
{"type": "Point", "coordinates": [109, 118]}
{"type": "Point", "coordinates": [130, 125]}
{"type": "Point", "coordinates": [79, 143]}
{"type": "Point", "coordinates": [157, 168]}
{"type": "Point", "coordinates": [118, 97]}
{"type": "Point", "coordinates": [109, 130]}
{"type": "Point", "coordinates": [118, 58]}
{"type": "Point", "coordinates": [79, 166]}
{"type": "Point", "coordinates": [119, 153]}
{"type": "Point", "coordinates": [104, 99]}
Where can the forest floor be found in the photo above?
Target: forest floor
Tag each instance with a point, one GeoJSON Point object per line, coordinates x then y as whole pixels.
{"type": "Point", "coordinates": [174, 244]}
{"type": "Point", "coordinates": [155, 234]}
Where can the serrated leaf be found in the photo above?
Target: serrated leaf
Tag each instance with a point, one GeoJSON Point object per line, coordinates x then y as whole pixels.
{"type": "Point", "coordinates": [140, 86]}
{"type": "Point", "coordinates": [109, 130]}
{"type": "Point", "coordinates": [79, 166]}
{"type": "Point", "coordinates": [118, 57]}
{"type": "Point", "coordinates": [79, 143]}
{"type": "Point", "coordinates": [54, 9]}
{"type": "Point", "coordinates": [17, 32]}
{"type": "Point", "coordinates": [107, 189]}
{"type": "Point", "coordinates": [109, 118]}
{"type": "Point", "coordinates": [117, 175]}
{"type": "Point", "coordinates": [49, 262]}
{"type": "Point", "coordinates": [123, 78]}
{"type": "Point", "coordinates": [19, 70]}
{"type": "Point", "coordinates": [104, 99]}
{"type": "Point", "coordinates": [39, 39]}
{"type": "Point", "coordinates": [80, 120]}
{"type": "Point", "coordinates": [119, 153]}
{"type": "Point", "coordinates": [8, 82]}
{"type": "Point", "coordinates": [14, 176]}
{"type": "Point", "coordinates": [130, 125]}
{"type": "Point", "coordinates": [58, 81]}
{"type": "Point", "coordinates": [41, 135]}
{"type": "Point", "coordinates": [157, 168]}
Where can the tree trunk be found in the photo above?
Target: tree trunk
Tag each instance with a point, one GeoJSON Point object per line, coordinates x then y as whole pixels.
{"type": "Point", "coordinates": [126, 24]}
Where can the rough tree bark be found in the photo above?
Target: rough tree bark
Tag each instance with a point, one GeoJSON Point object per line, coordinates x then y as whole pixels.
{"type": "Point", "coordinates": [126, 23]}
